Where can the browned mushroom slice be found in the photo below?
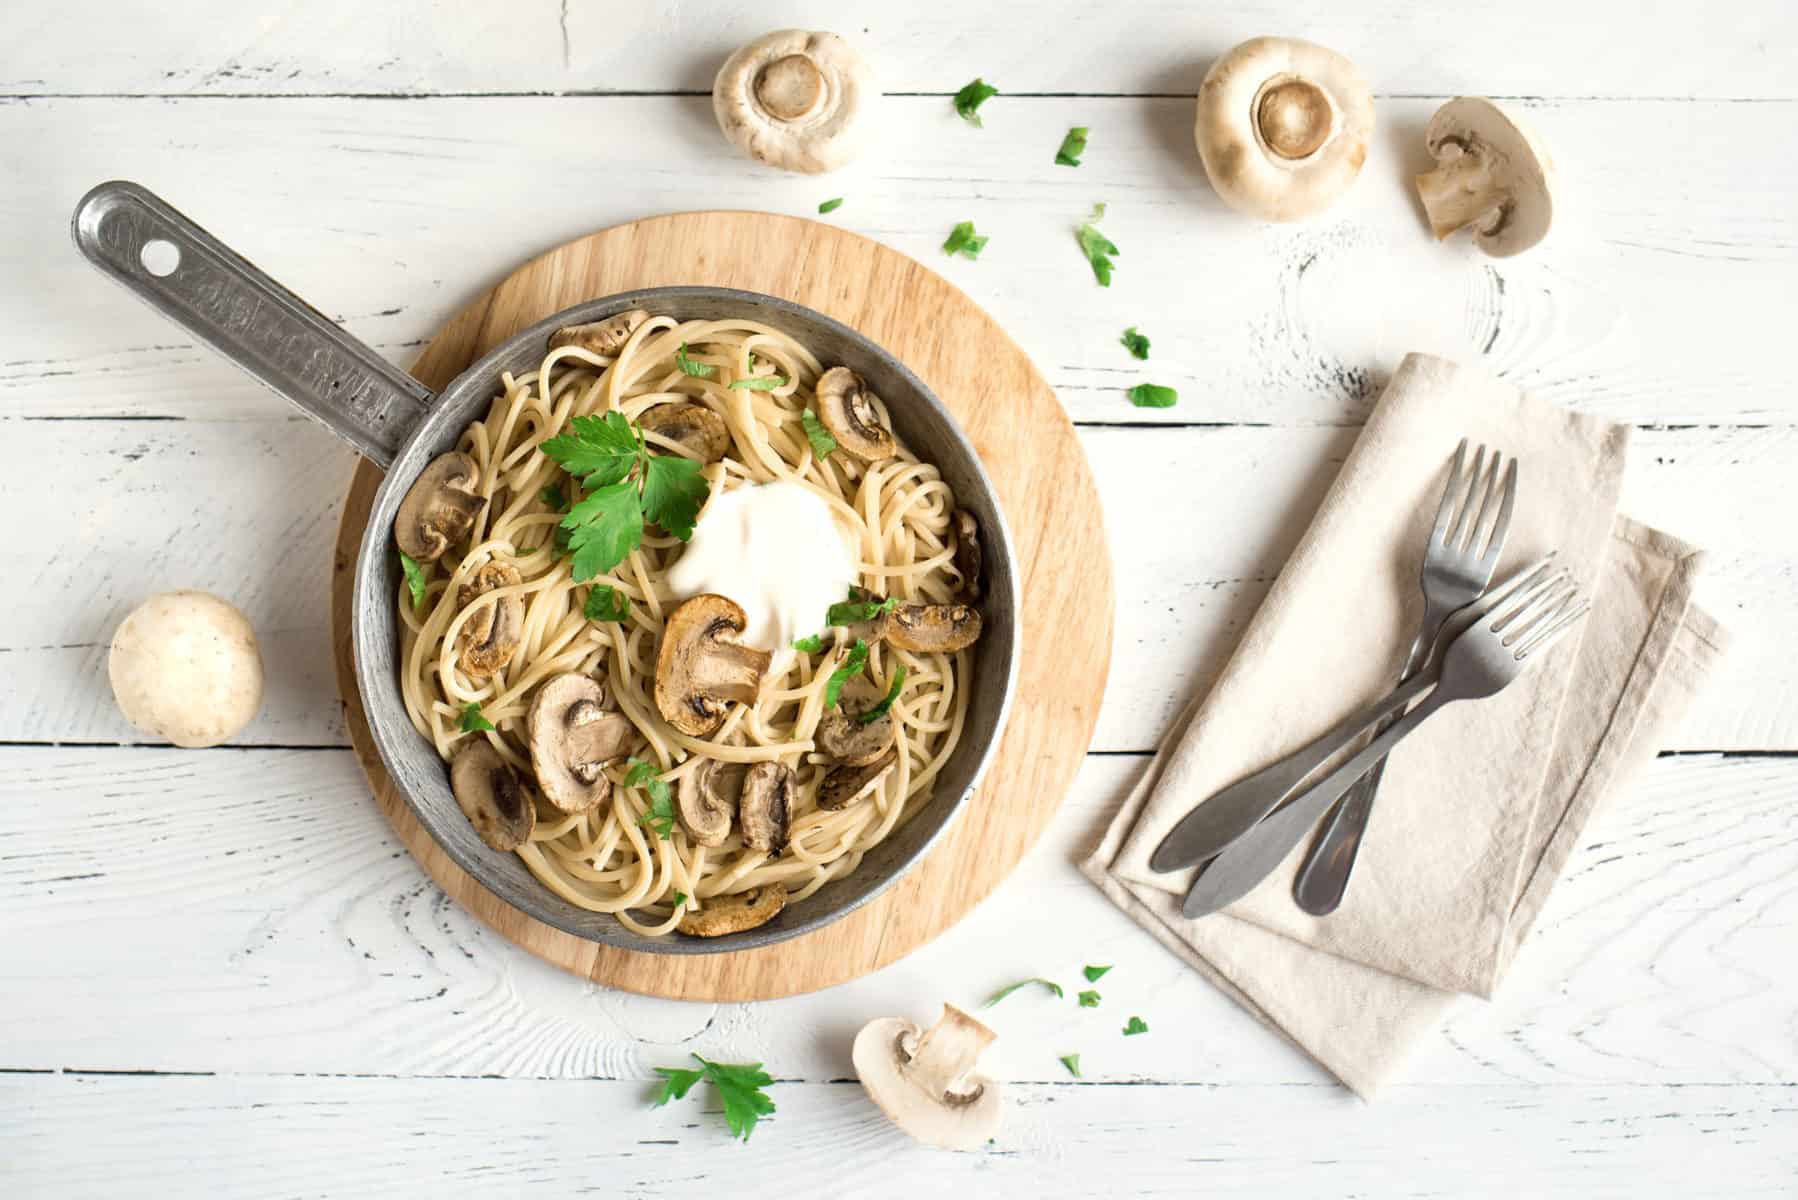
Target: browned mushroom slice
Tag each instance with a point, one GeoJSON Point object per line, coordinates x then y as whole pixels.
{"type": "Point", "coordinates": [846, 407]}
{"type": "Point", "coordinates": [967, 553]}
{"type": "Point", "coordinates": [875, 627]}
{"type": "Point", "coordinates": [933, 628]}
{"type": "Point", "coordinates": [491, 634]}
{"type": "Point", "coordinates": [843, 734]}
{"type": "Point", "coordinates": [490, 795]}
{"type": "Point", "coordinates": [708, 800]}
{"type": "Point", "coordinates": [694, 427]}
{"type": "Point", "coordinates": [439, 508]}
{"type": "Point", "coordinates": [701, 667]}
{"type": "Point", "coordinates": [573, 738]}
{"type": "Point", "coordinates": [605, 337]}
{"type": "Point", "coordinates": [764, 809]}
{"type": "Point", "coordinates": [736, 912]}
{"type": "Point", "coordinates": [845, 784]}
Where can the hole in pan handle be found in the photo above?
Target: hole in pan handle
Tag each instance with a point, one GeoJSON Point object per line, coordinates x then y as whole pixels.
{"type": "Point", "coordinates": [221, 298]}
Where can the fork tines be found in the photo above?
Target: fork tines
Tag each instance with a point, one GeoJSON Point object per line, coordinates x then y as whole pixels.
{"type": "Point", "coordinates": [1483, 491]}
{"type": "Point", "coordinates": [1536, 608]}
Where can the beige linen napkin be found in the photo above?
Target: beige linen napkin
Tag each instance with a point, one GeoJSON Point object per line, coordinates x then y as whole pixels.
{"type": "Point", "coordinates": [1479, 809]}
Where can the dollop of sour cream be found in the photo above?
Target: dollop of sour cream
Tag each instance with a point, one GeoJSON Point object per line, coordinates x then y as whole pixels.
{"type": "Point", "coordinates": [778, 551]}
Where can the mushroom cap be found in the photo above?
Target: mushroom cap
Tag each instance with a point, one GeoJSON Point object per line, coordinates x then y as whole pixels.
{"type": "Point", "coordinates": [1514, 161]}
{"type": "Point", "coordinates": [933, 628]}
{"type": "Point", "coordinates": [184, 666]}
{"type": "Point", "coordinates": [701, 666]}
{"type": "Point", "coordinates": [605, 337]}
{"type": "Point", "coordinates": [490, 795]}
{"type": "Point", "coordinates": [796, 100]}
{"type": "Point", "coordinates": [735, 912]}
{"type": "Point", "coordinates": [692, 426]}
{"type": "Point", "coordinates": [1283, 127]}
{"type": "Point", "coordinates": [764, 810]}
{"type": "Point", "coordinates": [849, 740]}
{"type": "Point", "coordinates": [843, 785]}
{"type": "Point", "coordinates": [925, 1082]}
{"type": "Point", "coordinates": [846, 407]}
{"type": "Point", "coordinates": [439, 508]}
{"type": "Point", "coordinates": [492, 632]}
{"type": "Point", "coordinates": [967, 560]}
{"type": "Point", "coordinates": [573, 737]}
{"type": "Point", "coordinates": [708, 800]}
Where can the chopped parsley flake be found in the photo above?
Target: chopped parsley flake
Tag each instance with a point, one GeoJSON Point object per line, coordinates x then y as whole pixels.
{"type": "Point", "coordinates": [963, 241]}
{"type": "Point", "coordinates": [970, 98]}
{"type": "Point", "coordinates": [1006, 991]}
{"type": "Point", "coordinates": [1072, 147]}
{"type": "Point", "coordinates": [1135, 343]}
{"type": "Point", "coordinates": [831, 205]}
{"type": "Point", "coordinates": [415, 577]}
{"type": "Point", "coordinates": [1135, 1026]}
{"type": "Point", "coordinates": [1153, 395]}
{"type": "Point", "coordinates": [471, 720]}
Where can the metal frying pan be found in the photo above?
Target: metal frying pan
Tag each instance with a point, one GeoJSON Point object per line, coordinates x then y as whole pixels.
{"type": "Point", "coordinates": [394, 421]}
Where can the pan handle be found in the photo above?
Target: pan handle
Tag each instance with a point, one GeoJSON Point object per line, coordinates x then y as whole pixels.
{"type": "Point", "coordinates": [197, 281]}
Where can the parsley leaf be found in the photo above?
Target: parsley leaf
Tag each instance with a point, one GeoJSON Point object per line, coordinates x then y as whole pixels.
{"type": "Point", "coordinates": [472, 721]}
{"type": "Point", "coordinates": [740, 1087]}
{"type": "Point", "coordinates": [604, 528]}
{"type": "Point", "coordinates": [1072, 1063]}
{"type": "Point", "coordinates": [1097, 247]}
{"type": "Point", "coordinates": [831, 205]}
{"type": "Point", "coordinates": [680, 1081]}
{"type": "Point", "coordinates": [970, 98]}
{"type": "Point", "coordinates": [809, 645]}
{"type": "Point", "coordinates": [680, 898]}
{"type": "Point", "coordinates": [697, 370]}
{"type": "Point", "coordinates": [600, 450]}
{"type": "Point", "coordinates": [823, 445]}
{"type": "Point", "coordinates": [627, 485]}
{"type": "Point", "coordinates": [415, 577]}
{"type": "Point", "coordinates": [659, 816]}
{"type": "Point", "coordinates": [1135, 1026]}
{"type": "Point", "coordinates": [553, 497]}
{"type": "Point", "coordinates": [879, 710]}
{"type": "Point", "coordinates": [963, 241]}
{"type": "Point", "coordinates": [853, 664]}
{"type": "Point", "coordinates": [1089, 999]}
{"type": "Point", "coordinates": [1135, 342]}
{"type": "Point", "coordinates": [1094, 974]}
{"type": "Point", "coordinates": [1151, 395]}
{"type": "Point", "coordinates": [673, 491]}
{"type": "Point", "coordinates": [758, 383]}
{"type": "Point", "coordinates": [847, 612]}
{"type": "Point", "coordinates": [1004, 992]}
{"type": "Point", "coordinates": [1072, 147]}
{"type": "Point", "coordinates": [606, 603]}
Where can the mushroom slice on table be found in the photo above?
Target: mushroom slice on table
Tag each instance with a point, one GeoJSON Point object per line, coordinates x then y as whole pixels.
{"type": "Point", "coordinates": [708, 800]}
{"type": "Point", "coordinates": [925, 1082]}
{"type": "Point", "coordinates": [736, 912]}
{"type": "Point", "coordinates": [692, 426]}
{"type": "Point", "coordinates": [845, 784]}
{"type": "Point", "coordinates": [764, 810]}
{"type": "Point", "coordinates": [933, 628]}
{"type": "Point", "coordinates": [967, 560]}
{"type": "Point", "coordinates": [573, 738]}
{"type": "Point", "coordinates": [1492, 175]}
{"type": "Point", "coordinates": [795, 100]}
{"type": "Point", "coordinates": [701, 667]}
{"type": "Point", "coordinates": [492, 632]}
{"type": "Point", "coordinates": [439, 508]}
{"type": "Point", "coordinates": [491, 796]}
{"type": "Point", "coordinates": [846, 407]}
{"type": "Point", "coordinates": [1283, 127]}
{"type": "Point", "coordinates": [848, 739]}
{"type": "Point", "coordinates": [605, 337]}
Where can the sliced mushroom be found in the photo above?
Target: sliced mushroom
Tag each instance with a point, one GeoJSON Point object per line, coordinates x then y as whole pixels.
{"type": "Point", "coordinates": [844, 785]}
{"type": "Point", "coordinates": [708, 800]}
{"type": "Point", "coordinates": [795, 100]}
{"type": "Point", "coordinates": [925, 1082]}
{"type": "Point", "coordinates": [573, 738]}
{"type": "Point", "coordinates": [605, 337]}
{"type": "Point", "coordinates": [693, 426]}
{"type": "Point", "coordinates": [701, 666]}
{"type": "Point", "coordinates": [439, 508]}
{"type": "Point", "coordinates": [933, 628]}
{"type": "Point", "coordinates": [967, 553]}
{"type": "Point", "coordinates": [491, 796]}
{"type": "Point", "coordinates": [736, 912]}
{"type": "Point", "coordinates": [846, 407]}
{"type": "Point", "coordinates": [764, 810]}
{"type": "Point", "coordinates": [875, 627]}
{"type": "Point", "coordinates": [845, 737]}
{"type": "Point", "coordinates": [491, 634]}
{"type": "Point", "coordinates": [1492, 175]}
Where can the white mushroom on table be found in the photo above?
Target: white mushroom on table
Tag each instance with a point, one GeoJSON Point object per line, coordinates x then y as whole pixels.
{"type": "Point", "coordinates": [796, 100]}
{"type": "Point", "coordinates": [185, 666]}
{"type": "Point", "coordinates": [926, 1081]}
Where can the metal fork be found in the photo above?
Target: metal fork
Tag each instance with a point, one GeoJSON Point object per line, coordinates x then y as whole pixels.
{"type": "Point", "coordinates": [1486, 654]}
{"type": "Point", "coordinates": [1457, 565]}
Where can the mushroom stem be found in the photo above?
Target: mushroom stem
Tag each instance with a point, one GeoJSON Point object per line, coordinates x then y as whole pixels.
{"type": "Point", "coordinates": [947, 1052]}
{"type": "Point", "coordinates": [1294, 118]}
{"type": "Point", "coordinates": [1460, 192]}
{"type": "Point", "coordinates": [791, 87]}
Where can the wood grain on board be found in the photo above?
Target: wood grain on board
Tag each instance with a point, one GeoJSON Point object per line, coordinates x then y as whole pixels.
{"type": "Point", "coordinates": [1044, 485]}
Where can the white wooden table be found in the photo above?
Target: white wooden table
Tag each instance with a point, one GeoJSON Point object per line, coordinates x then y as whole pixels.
{"type": "Point", "coordinates": [219, 973]}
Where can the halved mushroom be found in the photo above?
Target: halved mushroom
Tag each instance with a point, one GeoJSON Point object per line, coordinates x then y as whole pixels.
{"type": "Point", "coordinates": [794, 100]}
{"type": "Point", "coordinates": [845, 737]}
{"type": "Point", "coordinates": [605, 337]}
{"type": "Point", "coordinates": [933, 628]}
{"type": "Point", "coordinates": [846, 407]}
{"type": "Point", "coordinates": [1492, 175]}
{"type": "Point", "coordinates": [573, 738]}
{"type": "Point", "coordinates": [764, 810]}
{"type": "Point", "coordinates": [490, 796]}
{"type": "Point", "coordinates": [693, 426]}
{"type": "Point", "coordinates": [736, 912]}
{"type": "Point", "coordinates": [439, 508]}
{"type": "Point", "coordinates": [708, 800]}
{"type": "Point", "coordinates": [967, 553]}
{"type": "Point", "coordinates": [491, 634]}
{"type": "Point", "coordinates": [701, 667]}
{"type": "Point", "coordinates": [925, 1082]}
{"type": "Point", "coordinates": [844, 785]}
{"type": "Point", "coordinates": [875, 627]}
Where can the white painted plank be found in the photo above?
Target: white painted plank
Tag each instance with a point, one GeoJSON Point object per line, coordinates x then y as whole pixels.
{"type": "Point", "coordinates": [1528, 47]}
{"type": "Point", "coordinates": [1661, 297]}
{"type": "Point", "coordinates": [109, 511]}
{"type": "Point", "coordinates": [260, 918]}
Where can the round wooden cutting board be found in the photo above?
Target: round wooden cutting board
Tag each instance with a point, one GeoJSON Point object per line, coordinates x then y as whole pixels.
{"type": "Point", "coordinates": [1029, 448]}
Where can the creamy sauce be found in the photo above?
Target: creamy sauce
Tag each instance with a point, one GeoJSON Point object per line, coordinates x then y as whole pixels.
{"type": "Point", "coordinates": [778, 552]}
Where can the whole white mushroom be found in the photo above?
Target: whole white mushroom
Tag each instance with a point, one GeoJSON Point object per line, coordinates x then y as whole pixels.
{"type": "Point", "coordinates": [185, 667]}
{"type": "Point", "coordinates": [796, 100]}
